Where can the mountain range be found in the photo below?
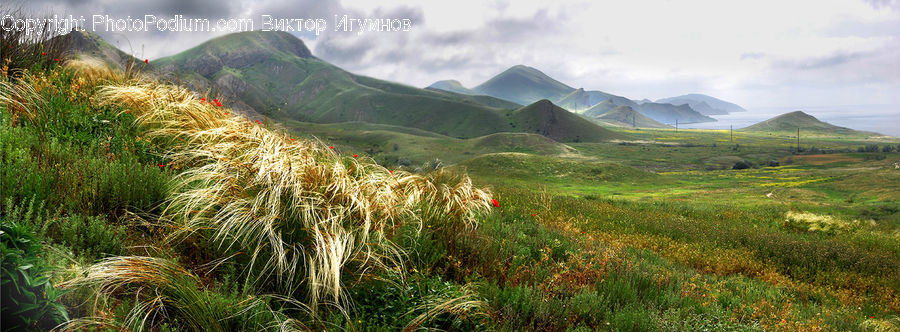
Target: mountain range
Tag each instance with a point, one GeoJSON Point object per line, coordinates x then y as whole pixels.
{"type": "Point", "coordinates": [274, 74]}
{"type": "Point", "coordinates": [524, 85]}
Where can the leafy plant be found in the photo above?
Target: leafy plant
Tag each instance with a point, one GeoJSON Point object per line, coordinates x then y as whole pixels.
{"type": "Point", "coordinates": [29, 298]}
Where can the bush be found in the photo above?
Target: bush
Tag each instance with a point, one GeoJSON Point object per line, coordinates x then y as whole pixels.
{"type": "Point", "coordinates": [743, 164]}
{"type": "Point", "coordinates": [29, 299]}
{"type": "Point", "coordinates": [90, 236]}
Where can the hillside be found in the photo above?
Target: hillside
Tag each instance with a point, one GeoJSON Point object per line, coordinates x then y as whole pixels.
{"type": "Point", "coordinates": [91, 44]}
{"type": "Point", "coordinates": [274, 74]}
{"type": "Point", "coordinates": [625, 116]}
{"type": "Point", "coordinates": [452, 86]}
{"type": "Point", "coordinates": [716, 106]}
{"type": "Point", "coordinates": [479, 99]}
{"type": "Point", "coordinates": [545, 118]}
{"type": "Point", "coordinates": [580, 99]}
{"type": "Point", "coordinates": [789, 122]}
{"type": "Point", "coordinates": [523, 85]}
{"type": "Point", "coordinates": [668, 113]}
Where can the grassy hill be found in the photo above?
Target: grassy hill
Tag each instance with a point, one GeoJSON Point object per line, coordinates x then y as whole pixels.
{"type": "Point", "coordinates": [274, 74]}
{"type": "Point", "coordinates": [523, 85]}
{"type": "Point", "coordinates": [580, 100]}
{"type": "Point", "coordinates": [529, 168]}
{"type": "Point", "coordinates": [625, 116]}
{"type": "Point", "coordinates": [547, 119]}
{"type": "Point", "coordinates": [479, 99]}
{"type": "Point", "coordinates": [789, 122]}
{"type": "Point", "coordinates": [452, 86]}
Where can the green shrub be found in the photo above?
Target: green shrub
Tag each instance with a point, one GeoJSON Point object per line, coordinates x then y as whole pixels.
{"type": "Point", "coordinates": [90, 236]}
{"type": "Point", "coordinates": [29, 300]}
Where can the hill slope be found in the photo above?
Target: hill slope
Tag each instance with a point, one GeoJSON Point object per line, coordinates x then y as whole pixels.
{"type": "Point", "coordinates": [545, 118]}
{"type": "Point", "coordinates": [580, 99]}
{"type": "Point", "coordinates": [523, 85]}
{"type": "Point", "coordinates": [625, 116]}
{"type": "Point", "coordinates": [789, 122]}
{"type": "Point", "coordinates": [716, 105]}
{"type": "Point", "coordinates": [274, 74]}
{"type": "Point", "coordinates": [452, 86]}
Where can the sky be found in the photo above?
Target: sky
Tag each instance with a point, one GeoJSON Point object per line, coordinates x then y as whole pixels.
{"type": "Point", "coordinates": [757, 53]}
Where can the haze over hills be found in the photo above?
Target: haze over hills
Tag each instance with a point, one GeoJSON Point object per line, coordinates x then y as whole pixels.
{"type": "Point", "coordinates": [523, 84]}
{"type": "Point", "coordinates": [625, 116]}
{"type": "Point", "coordinates": [790, 122]}
{"type": "Point", "coordinates": [713, 105]}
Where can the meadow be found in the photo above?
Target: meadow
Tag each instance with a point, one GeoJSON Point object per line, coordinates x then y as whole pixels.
{"type": "Point", "coordinates": [133, 204]}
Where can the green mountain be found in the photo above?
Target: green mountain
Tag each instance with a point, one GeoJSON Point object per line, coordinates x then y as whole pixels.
{"type": "Point", "coordinates": [274, 74]}
{"type": "Point", "coordinates": [713, 105]}
{"type": "Point", "coordinates": [545, 118]}
{"type": "Point", "coordinates": [625, 116]}
{"type": "Point", "coordinates": [580, 99]}
{"type": "Point", "coordinates": [599, 109]}
{"type": "Point", "coordinates": [452, 86]}
{"type": "Point", "coordinates": [526, 85]}
{"type": "Point", "coordinates": [668, 113]}
{"type": "Point", "coordinates": [479, 99]}
{"type": "Point", "coordinates": [523, 85]}
{"type": "Point", "coordinates": [789, 122]}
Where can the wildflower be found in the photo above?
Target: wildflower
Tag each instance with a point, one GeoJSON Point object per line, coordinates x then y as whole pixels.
{"type": "Point", "coordinates": [219, 104]}
{"type": "Point", "coordinates": [203, 99]}
{"type": "Point", "coordinates": [257, 121]}
{"type": "Point", "coordinates": [534, 214]}
{"type": "Point", "coordinates": [356, 155]}
{"type": "Point", "coordinates": [146, 61]}
{"type": "Point", "coordinates": [392, 172]}
{"type": "Point", "coordinates": [45, 53]}
{"type": "Point", "coordinates": [331, 147]}
{"type": "Point", "coordinates": [495, 202]}
{"type": "Point", "coordinates": [162, 165]}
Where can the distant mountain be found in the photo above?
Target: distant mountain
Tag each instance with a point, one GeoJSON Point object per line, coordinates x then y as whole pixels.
{"type": "Point", "coordinates": [716, 106]}
{"type": "Point", "coordinates": [523, 85]}
{"type": "Point", "coordinates": [669, 114]}
{"type": "Point", "coordinates": [579, 99]}
{"type": "Point", "coordinates": [545, 118]}
{"type": "Point", "coordinates": [625, 116]}
{"type": "Point", "coordinates": [600, 109]}
{"type": "Point", "coordinates": [452, 86]}
{"type": "Point", "coordinates": [789, 122]}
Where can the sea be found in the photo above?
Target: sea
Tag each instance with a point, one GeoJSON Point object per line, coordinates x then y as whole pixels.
{"type": "Point", "coordinates": [883, 119]}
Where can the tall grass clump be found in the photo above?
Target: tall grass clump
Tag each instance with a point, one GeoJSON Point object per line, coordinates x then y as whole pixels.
{"type": "Point", "coordinates": [306, 217]}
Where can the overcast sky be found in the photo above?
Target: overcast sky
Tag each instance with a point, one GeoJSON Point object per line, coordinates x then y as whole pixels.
{"type": "Point", "coordinates": [756, 53]}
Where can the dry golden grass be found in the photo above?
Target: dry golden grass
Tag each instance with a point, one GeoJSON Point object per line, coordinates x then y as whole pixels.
{"type": "Point", "coordinates": [305, 215]}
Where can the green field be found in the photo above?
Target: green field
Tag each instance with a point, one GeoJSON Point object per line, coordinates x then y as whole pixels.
{"type": "Point", "coordinates": [113, 218]}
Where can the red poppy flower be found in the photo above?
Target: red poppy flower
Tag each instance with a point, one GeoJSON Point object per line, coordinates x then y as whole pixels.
{"type": "Point", "coordinates": [534, 214]}
{"type": "Point", "coordinates": [203, 99]}
{"type": "Point", "coordinates": [331, 147]}
{"type": "Point", "coordinates": [216, 100]}
{"type": "Point", "coordinates": [292, 139]}
{"type": "Point", "coordinates": [161, 165]}
{"type": "Point", "coordinates": [57, 59]}
{"type": "Point", "coordinates": [356, 155]}
{"type": "Point", "coordinates": [257, 121]}
{"type": "Point", "coordinates": [392, 172]}
{"type": "Point", "coordinates": [45, 53]}
{"type": "Point", "coordinates": [495, 202]}
{"type": "Point", "coordinates": [226, 113]}
{"type": "Point", "coordinates": [219, 104]}
{"type": "Point", "coordinates": [147, 61]}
